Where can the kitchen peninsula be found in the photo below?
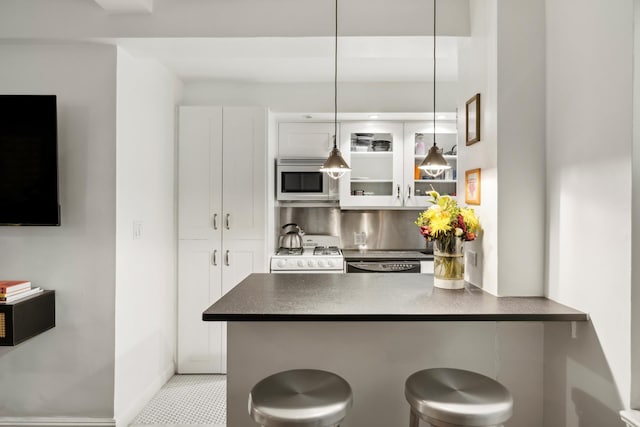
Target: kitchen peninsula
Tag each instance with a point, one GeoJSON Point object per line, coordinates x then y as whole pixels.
{"type": "Point", "coordinates": [375, 330]}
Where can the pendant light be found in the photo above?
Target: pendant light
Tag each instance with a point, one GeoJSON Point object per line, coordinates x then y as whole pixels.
{"type": "Point", "coordinates": [335, 166]}
{"type": "Point", "coordinates": [434, 164]}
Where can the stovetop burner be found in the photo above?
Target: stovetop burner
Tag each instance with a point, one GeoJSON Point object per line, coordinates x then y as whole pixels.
{"type": "Point", "coordinates": [319, 254]}
{"type": "Point", "coordinates": [289, 251]}
{"type": "Point", "coordinates": [326, 250]}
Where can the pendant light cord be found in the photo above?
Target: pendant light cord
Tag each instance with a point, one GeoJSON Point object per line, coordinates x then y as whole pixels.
{"type": "Point", "coordinates": [434, 72]}
{"type": "Point", "coordinates": [335, 84]}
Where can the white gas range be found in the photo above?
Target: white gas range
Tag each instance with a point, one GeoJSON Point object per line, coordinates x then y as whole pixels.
{"type": "Point", "coordinates": [319, 254]}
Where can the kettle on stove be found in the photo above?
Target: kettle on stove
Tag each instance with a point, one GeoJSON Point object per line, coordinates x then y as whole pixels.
{"type": "Point", "coordinates": [292, 239]}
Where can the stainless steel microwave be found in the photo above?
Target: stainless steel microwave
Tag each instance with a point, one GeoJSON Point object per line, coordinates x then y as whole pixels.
{"type": "Point", "coordinates": [300, 179]}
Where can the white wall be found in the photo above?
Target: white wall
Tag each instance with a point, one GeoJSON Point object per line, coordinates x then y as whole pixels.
{"type": "Point", "coordinates": [145, 346]}
{"type": "Point", "coordinates": [589, 140]}
{"type": "Point", "coordinates": [511, 150]}
{"type": "Point", "coordinates": [245, 18]}
{"type": "Point", "coordinates": [521, 149]}
{"type": "Point", "coordinates": [318, 97]}
{"type": "Point", "coordinates": [67, 371]}
{"type": "Point", "coordinates": [478, 64]}
{"type": "Point", "coordinates": [635, 250]}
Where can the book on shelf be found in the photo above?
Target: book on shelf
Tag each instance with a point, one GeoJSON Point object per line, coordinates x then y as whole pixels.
{"type": "Point", "coordinates": [9, 286]}
{"type": "Point", "coordinates": [20, 295]}
{"type": "Point", "coordinates": [14, 291]}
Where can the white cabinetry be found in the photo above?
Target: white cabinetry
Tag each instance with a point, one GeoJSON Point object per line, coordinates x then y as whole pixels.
{"type": "Point", "coordinates": [222, 209]}
{"type": "Point", "coordinates": [308, 139]}
{"type": "Point", "coordinates": [418, 139]}
{"type": "Point", "coordinates": [384, 157]}
{"type": "Point", "coordinates": [375, 153]}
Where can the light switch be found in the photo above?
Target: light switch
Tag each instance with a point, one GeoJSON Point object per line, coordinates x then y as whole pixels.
{"type": "Point", "coordinates": [473, 258]}
{"type": "Point", "coordinates": [137, 230]}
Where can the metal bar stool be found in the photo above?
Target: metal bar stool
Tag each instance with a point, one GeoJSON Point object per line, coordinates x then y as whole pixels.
{"type": "Point", "coordinates": [300, 398]}
{"type": "Point", "coordinates": [445, 397]}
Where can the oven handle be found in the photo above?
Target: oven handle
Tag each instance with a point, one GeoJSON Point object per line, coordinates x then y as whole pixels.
{"type": "Point", "coordinates": [376, 267]}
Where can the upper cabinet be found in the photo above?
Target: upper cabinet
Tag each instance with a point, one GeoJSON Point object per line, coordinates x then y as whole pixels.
{"type": "Point", "coordinates": [244, 171]}
{"type": "Point", "coordinates": [222, 189]}
{"type": "Point", "coordinates": [374, 151]}
{"type": "Point", "coordinates": [418, 139]}
{"type": "Point", "coordinates": [308, 139]}
{"type": "Point", "coordinates": [384, 159]}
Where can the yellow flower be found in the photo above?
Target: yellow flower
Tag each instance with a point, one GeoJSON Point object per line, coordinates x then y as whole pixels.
{"type": "Point", "coordinates": [441, 221]}
{"type": "Point", "coordinates": [470, 219]}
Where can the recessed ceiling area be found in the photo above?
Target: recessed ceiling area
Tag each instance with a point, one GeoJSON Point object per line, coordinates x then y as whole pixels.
{"type": "Point", "coordinates": [301, 59]}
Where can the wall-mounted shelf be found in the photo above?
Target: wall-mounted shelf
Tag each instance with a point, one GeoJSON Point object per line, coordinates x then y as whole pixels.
{"type": "Point", "coordinates": [26, 318]}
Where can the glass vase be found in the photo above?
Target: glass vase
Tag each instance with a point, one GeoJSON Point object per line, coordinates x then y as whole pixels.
{"type": "Point", "coordinates": [448, 264]}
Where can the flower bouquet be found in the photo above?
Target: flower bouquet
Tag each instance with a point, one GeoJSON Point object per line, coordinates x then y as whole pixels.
{"type": "Point", "coordinates": [447, 225]}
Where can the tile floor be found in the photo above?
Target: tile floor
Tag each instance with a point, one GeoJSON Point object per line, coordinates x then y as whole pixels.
{"type": "Point", "coordinates": [187, 401]}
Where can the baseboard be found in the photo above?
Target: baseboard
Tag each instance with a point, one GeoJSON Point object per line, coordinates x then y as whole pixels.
{"type": "Point", "coordinates": [631, 417]}
{"type": "Point", "coordinates": [134, 409]}
{"type": "Point", "coordinates": [57, 421]}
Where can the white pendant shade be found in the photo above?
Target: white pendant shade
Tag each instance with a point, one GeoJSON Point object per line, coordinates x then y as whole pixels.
{"type": "Point", "coordinates": [435, 163]}
{"type": "Point", "coordinates": [335, 166]}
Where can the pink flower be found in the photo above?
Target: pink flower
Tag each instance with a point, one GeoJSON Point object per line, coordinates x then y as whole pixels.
{"type": "Point", "coordinates": [425, 230]}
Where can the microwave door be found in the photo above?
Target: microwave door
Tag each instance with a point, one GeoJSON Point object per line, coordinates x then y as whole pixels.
{"type": "Point", "coordinates": [302, 183]}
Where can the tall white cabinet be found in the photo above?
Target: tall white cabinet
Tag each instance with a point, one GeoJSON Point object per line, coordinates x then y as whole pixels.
{"type": "Point", "coordinates": [222, 197]}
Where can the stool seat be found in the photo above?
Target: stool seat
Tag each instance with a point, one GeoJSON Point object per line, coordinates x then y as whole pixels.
{"type": "Point", "coordinates": [445, 396]}
{"type": "Point", "coordinates": [300, 398]}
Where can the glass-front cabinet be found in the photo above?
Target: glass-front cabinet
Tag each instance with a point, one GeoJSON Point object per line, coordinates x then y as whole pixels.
{"type": "Point", "coordinates": [418, 139]}
{"type": "Point", "coordinates": [374, 150]}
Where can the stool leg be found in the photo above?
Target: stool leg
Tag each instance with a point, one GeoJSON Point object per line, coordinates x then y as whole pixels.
{"type": "Point", "coordinates": [413, 419]}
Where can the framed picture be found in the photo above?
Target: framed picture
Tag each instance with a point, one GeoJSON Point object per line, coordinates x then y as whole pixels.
{"type": "Point", "coordinates": [472, 119]}
{"type": "Point", "coordinates": [472, 186]}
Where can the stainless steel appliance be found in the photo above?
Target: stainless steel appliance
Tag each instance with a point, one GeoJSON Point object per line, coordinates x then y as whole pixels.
{"type": "Point", "coordinates": [380, 261]}
{"type": "Point", "coordinates": [300, 179]}
{"type": "Point", "coordinates": [319, 254]}
{"type": "Point", "coordinates": [383, 267]}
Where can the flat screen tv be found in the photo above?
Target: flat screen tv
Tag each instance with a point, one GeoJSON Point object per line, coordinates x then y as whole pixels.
{"type": "Point", "coordinates": [28, 160]}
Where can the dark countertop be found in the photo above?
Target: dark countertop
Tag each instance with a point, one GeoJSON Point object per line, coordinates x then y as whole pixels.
{"type": "Point", "coordinates": [374, 297]}
{"type": "Point", "coordinates": [389, 255]}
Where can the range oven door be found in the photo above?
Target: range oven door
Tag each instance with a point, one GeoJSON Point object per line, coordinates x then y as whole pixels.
{"type": "Point", "coordinates": [301, 179]}
{"type": "Point", "coordinates": [383, 267]}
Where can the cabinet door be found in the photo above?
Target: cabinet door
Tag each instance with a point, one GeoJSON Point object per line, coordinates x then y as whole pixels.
{"type": "Point", "coordinates": [241, 258]}
{"type": "Point", "coordinates": [418, 139]}
{"type": "Point", "coordinates": [374, 152]}
{"type": "Point", "coordinates": [244, 162]}
{"type": "Point", "coordinates": [200, 347]}
{"type": "Point", "coordinates": [200, 172]}
{"type": "Point", "coordinates": [305, 139]}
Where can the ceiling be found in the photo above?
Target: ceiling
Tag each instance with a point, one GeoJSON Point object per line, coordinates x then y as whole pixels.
{"type": "Point", "coordinates": [301, 59]}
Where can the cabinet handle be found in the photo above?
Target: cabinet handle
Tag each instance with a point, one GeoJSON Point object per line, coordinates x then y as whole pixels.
{"type": "Point", "coordinates": [398, 192]}
{"type": "Point", "coordinates": [409, 196]}
{"type": "Point", "coordinates": [228, 221]}
{"type": "Point", "coordinates": [215, 221]}
{"type": "Point", "coordinates": [226, 258]}
{"type": "Point", "coordinates": [214, 258]}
